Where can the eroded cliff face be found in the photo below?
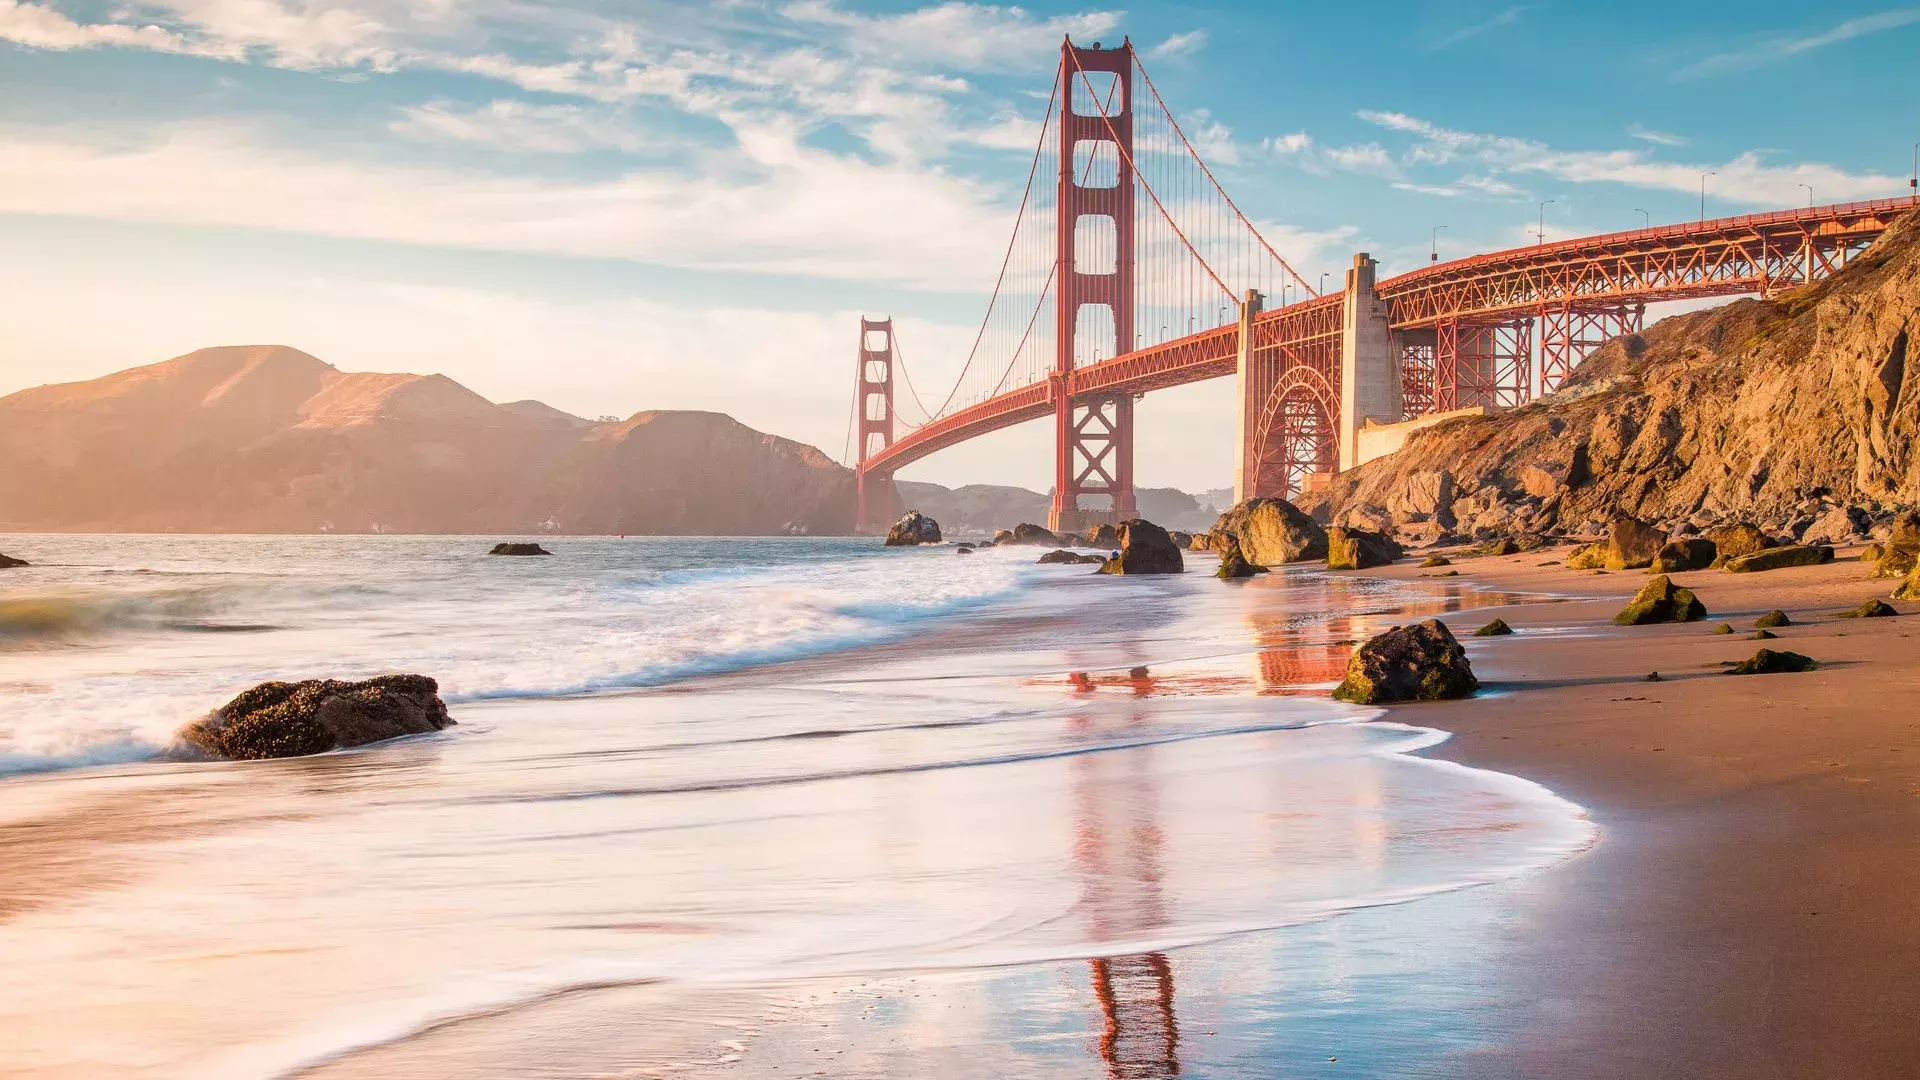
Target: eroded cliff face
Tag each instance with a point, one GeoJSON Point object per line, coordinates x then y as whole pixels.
{"type": "Point", "coordinates": [270, 439]}
{"type": "Point", "coordinates": [1757, 410]}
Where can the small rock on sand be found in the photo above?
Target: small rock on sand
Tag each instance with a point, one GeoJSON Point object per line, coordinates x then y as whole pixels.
{"type": "Point", "coordinates": [1496, 628]}
{"type": "Point", "coordinates": [1872, 609]}
{"type": "Point", "coordinates": [1422, 662]}
{"type": "Point", "coordinates": [1772, 619]}
{"type": "Point", "coordinates": [1660, 600]}
{"type": "Point", "coordinates": [1770, 662]}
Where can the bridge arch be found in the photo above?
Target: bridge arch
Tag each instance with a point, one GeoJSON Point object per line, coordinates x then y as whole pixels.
{"type": "Point", "coordinates": [1297, 433]}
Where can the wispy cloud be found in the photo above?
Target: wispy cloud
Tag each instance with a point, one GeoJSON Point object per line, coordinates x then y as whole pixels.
{"type": "Point", "coordinates": [1505, 18]}
{"type": "Point", "coordinates": [1657, 138]}
{"type": "Point", "coordinates": [1179, 45]}
{"type": "Point", "coordinates": [1777, 49]}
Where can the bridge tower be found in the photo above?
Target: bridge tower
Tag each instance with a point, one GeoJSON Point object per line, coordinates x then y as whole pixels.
{"type": "Point", "coordinates": [873, 397]}
{"type": "Point", "coordinates": [1093, 435]}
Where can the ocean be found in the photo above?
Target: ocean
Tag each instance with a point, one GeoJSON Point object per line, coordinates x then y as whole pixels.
{"type": "Point", "coordinates": [728, 782]}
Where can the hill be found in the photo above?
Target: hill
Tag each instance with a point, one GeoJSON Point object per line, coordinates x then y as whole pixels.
{"type": "Point", "coordinates": [1760, 410]}
{"type": "Point", "coordinates": [269, 439]}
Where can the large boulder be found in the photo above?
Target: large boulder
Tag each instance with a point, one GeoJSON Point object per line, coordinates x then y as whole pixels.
{"type": "Point", "coordinates": [1145, 548]}
{"type": "Point", "coordinates": [8, 562]}
{"type": "Point", "coordinates": [1730, 542]}
{"type": "Point", "coordinates": [1910, 588]}
{"type": "Point", "coordinates": [1660, 600]}
{"type": "Point", "coordinates": [1422, 662]}
{"type": "Point", "coordinates": [1775, 558]}
{"type": "Point", "coordinates": [1270, 532]}
{"type": "Point", "coordinates": [1357, 549]}
{"type": "Point", "coordinates": [1679, 556]}
{"type": "Point", "coordinates": [518, 549]}
{"type": "Point", "coordinates": [1025, 533]}
{"type": "Point", "coordinates": [915, 528]}
{"type": "Point", "coordinates": [1837, 526]}
{"type": "Point", "coordinates": [1889, 560]}
{"type": "Point", "coordinates": [283, 719]}
{"type": "Point", "coordinates": [1589, 557]}
{"type": "Point", "coordinates": [1632, 543]}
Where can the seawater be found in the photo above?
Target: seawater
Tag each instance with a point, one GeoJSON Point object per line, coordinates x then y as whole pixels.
{"type": "Point", "coordinates": [680, 763]}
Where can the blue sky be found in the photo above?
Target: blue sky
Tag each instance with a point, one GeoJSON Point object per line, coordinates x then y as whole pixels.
{"type": "Point", "coordinates": [635, 205]}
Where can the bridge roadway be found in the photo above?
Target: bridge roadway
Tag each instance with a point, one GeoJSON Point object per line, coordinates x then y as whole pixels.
{"type": "Point", "coordinates": [1446, 323]}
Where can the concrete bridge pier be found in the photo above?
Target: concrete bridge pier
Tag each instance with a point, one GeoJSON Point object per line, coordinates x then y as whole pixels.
{"type": "Point", "coordinates": [1370, 384]}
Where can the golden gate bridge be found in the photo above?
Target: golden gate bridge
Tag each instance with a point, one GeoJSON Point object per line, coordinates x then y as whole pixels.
{"type": "Point", "coordinates": [1130, 269]}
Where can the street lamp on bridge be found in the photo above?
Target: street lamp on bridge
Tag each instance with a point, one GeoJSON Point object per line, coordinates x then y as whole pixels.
{"type": "Point", "coordinates": [1703, 195]}
{"type": "Point", "coordinates": [1434, 240]}
{"type": "Point", "coordinates": [1541, 236]}
{"type": "Point", "coordinates": [1645, 218]}
{"type": "Point", "coordinates": [1809, 188]}
{"type": "Point", "coordinates": [1913, 185]}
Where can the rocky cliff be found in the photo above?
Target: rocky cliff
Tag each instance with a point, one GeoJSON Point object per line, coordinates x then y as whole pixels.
{"type": "Point", "coordinates": [1761, 410]}
{"type": "Point", "coordinates": [270, 439]}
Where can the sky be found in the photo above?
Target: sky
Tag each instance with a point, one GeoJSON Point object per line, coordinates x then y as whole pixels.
{"type": "Point", "coordinates": [622, 206]}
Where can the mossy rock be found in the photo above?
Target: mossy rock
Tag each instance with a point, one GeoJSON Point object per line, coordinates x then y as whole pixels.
{"type": "Point", "coordinates": [1773, 619]}
{"type": "Point", "coordinates": [1591, 557]}
{"type": "Point", "coordinates": [1680, 556]}
{"type": "Point", "coordinates": [1772, 662]}
{"type": "Point", "coordinates": [1723, 628]}
{"type": "Point", "coordinates": [1422, 662]}
{"type": "Point", "coordinates": [1496, 628]}
{"type": "Point", "coordinates": [1762, 635]}
{"type": "Point", "coordinates": [1660, 600]}
{"type": "Point", "coordinates": [1777, 558]}
{"type": "Point", "coordinates": [1234, 566]}
{"type": "Point", "coordinates": [1872, 609]}
{"type": "Point", "coordinates": [1435, 560]}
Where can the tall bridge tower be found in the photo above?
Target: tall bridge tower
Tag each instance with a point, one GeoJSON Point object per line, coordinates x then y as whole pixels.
{"type": "Point", "coordinates": [873, 397]}
{"type": "Point", "coordinates": [1093, 434]}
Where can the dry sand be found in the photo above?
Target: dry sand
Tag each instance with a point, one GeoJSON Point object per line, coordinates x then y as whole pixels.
{"type": "Point", "coordinates": [1753, 909]}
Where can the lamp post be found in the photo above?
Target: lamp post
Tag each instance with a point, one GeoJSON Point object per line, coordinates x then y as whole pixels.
{"type": "Point", "coordinates": [1646, 218]}
{"type": "Point", "coordinates": [1809, 188]}
{"type": "Point", "coordinates": [1703, 195]}
{"type": "Point", "coordinates": [1434, 240]}
{"type": "Point", "coordinates": [1913, 185]}
{"type": "Point", "coordinates": [1541, 236]}
{"type": "Point", "coordinates": [1323, 283]}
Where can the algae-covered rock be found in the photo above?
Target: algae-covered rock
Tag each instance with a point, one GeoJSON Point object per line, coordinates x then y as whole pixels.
{"type": "Point", "coordinates": [1723, 628]}
{"type": "Point", "coordinates": [1061, 556]}
{"type": "Point", "coordinates": [1422, 662]}
{"type": "Point", "coordinates": [283, 719]}
{"type": "Point", "coordinates": [1660, 600]}
{"type": "Point", "coordinates": [1680, 556]}
{"type": "Point", "coordinates": [1872, 609]}
{"type": "Point", "coordinates": [1732, 541]}
{"type": "Point", "coordinates": [1632, 543]}
{"type": "Point", "coordinates": [1776, 558]}
{"type": "Point", "coordinates": [1234, 565]}
{"type": "Point", "coordinates": [1590, 557]}
{"type": "Point", "coordinates": [1772, 619]}
{"type": "Point", "coordinates": [1770, 661]}
{"type": "Point", "coordinates": [1910, 588]}
{"type": "Point", "coordinates": [1496, 628]}
{"type": "Point", "coordinates": [1432, 561]}
{"type": "Point", "coordinates": [1762, 635]}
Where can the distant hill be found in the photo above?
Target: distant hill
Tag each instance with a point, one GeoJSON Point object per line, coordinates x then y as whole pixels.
{"type": "Point", "coordinates": [266, 438]}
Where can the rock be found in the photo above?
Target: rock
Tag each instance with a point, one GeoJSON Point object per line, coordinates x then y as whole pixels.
{"type": "Point", "coordinates": [1025, 533]}
{"type": "Point", "coordinates": [1773, 619]}
{"type": "Point", "coordinates": [1632, 543]}
{"type": "Point", "coordinates": [282, 719]}
{"type": "Point", "coordinates": [1837, 526]}
{"type": "Point", "coordinates": [1421, 662]}
{"type": "Point", "coordinates": [1590, 557]}
{"type": "Point", "coordinates": [1435, 560]}
{"type": "Point", "coordinates": [963, 549]}
{"type": "Point", "coordinates": [1910, 588]}
{"type": "Point", "coordinates": [1200, 542]}
{"type": "Point", "coordinates": [1886, 560]}
{"type": "Point", "coordinates": [519, 549]}
{"type": "Point", "coordinates": [1903, 531]}
{"type": "Point", "coordinates": [1357, 549]}
{"type": "Point", "coordinates": [1762, 635]}
{"type": "Point", "coordinates": [1234, 565]}
{"type": "Point", "coordinates": [1070, 558]}
{"type": "Point", "coordinates": [1496, 628]}
{"type": "Point", "coordinates": [1183, 539]}
{"type": "Point", "coordinates": [1270, 532]}
{"type": "Point", "coordinates": [1145, 548]}
{"type": "Point", "coordinates": [1098, 536]}
{"type": "Point", "coordinates": [914, 528]}
{"type": "Point", "coordinates": [1872, 609]}
{"type": "Point", "coordinates": [1723, 628]}
{"type": "Point", "coordinates": [1654, 676]}
{"type": "Point", "coordinates": [1660, 600]}
{"type": "Point", "coordinates": [8, 562]}
{"type": "Point", "coordinates": [1775, 558]}
{"type": "Point", "coordinates": [1679, 556]}
{"type": "Point", "coordinates": [1769, 662]}
{"type": "Point", "coordinates": [1504, 545]}
{"type": "Point", "coordinates": [1002, 536]}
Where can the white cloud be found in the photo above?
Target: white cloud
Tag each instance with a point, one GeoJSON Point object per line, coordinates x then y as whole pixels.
{"type": "Point", "coordinates": [1784, 48]}
{"type": "Point", "coordinates": [1657, 138]}
{"type": "Point", "coordinates": [972, 37]}
{"type": "Point", "coordinates": [1505, 18]}
{"type": "Point", "coordinates": [507, 124]}
{"type": "Point", "coordinates": [39, 26]}
{"type": "Point", "coordinates": [1297, 143]}
{"type": "Point", "coordinates": [1179, 45]}
{"type": "Point", "coordinates": [781, 208]}
{"type": "Point", "coordinates": [1367, 157]}
{"type": "Point", "coordinates": [1212, 139]}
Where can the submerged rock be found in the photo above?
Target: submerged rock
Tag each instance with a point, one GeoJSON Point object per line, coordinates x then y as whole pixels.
{"type": "Point", "coordinates": [1061, 556]}
{"type": "Point", "coordinates": [1775, 558]}
{"type": "Point", "coordinates": [1358, 549]}
{"type": "Point", "coordinates": [1421, 662]}
{"type": "Point", "coordinates": [1770, 662]}
{"type": "Point", "coordinates": [1679, 556]}
{"type": "Point", "coordinates": [1145, 548]}
{"type": "Point", "coordinates": [915, 528]}
{"type": "Point", "coordinates": [519, 549]}
{"type": "Point", "coordinates": [283, 719]}
{"type": "Point", "coordinates": [1660, 600]}
{"type": "Point", "coordinates": [8, 562]}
